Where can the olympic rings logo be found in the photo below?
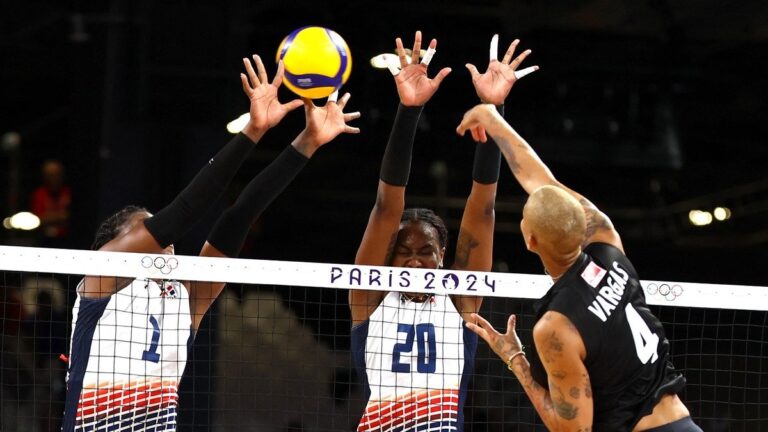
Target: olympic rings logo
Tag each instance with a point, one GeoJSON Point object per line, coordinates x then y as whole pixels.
{"type": "Point", "coordinates": [161, 264]}
{"type": "Point", "coordinates": [669, 292]}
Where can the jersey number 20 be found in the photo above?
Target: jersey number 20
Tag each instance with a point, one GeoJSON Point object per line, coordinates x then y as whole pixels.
{"type": "Point", "coordinates": [426, 346]}
{"type": "Point", "coordinates": [646, 341]}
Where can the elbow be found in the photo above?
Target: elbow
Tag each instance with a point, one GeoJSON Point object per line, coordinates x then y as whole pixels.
{"type": "Point", "coordinates": [388, 205]}
{"type": "Point", "coordinates": [387, 210]}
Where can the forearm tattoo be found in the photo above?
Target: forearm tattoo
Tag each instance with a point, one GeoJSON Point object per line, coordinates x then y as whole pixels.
{"type": "Point", "coordinates": [563, 408]}
{"type": "Point", "coordinates": [509, 154]}
{"type": "Point", "coordinates": [464, 246]}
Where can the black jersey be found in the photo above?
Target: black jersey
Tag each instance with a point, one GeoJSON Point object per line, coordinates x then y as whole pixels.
{"type": "Point", "coordinates": [627, 352]}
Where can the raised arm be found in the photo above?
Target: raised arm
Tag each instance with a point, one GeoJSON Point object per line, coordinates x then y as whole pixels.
{"type": "Point", "coordinates": [323, 124]}
{"type": "Point", "coordinates": [474, 247]}
{"type": "Point", "coordinates": [157, 233]}
{"type": "Point", "coordinates": [528, 168]}
{"type": "Point", "coordinates": [415, 88]}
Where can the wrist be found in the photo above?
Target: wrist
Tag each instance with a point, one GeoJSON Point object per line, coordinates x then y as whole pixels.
{"type": "Point", "coordinates": [253, 132]}
{"type": "Point", "coordinates": [304, 145]}
{"type": "Point", "coordinates": [518, 355]}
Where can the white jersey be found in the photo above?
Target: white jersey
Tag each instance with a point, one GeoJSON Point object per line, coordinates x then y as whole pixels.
{"type": "Point", "coordinates": [127, 355]}
{"type": "Point", "coordinates": [416, 359]}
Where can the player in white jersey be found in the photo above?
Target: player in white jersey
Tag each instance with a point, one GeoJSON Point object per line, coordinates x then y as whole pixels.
{"type": "Point", "coordinates": [412, 352]}
{"type": "Point", "coordinates": [130, 338]}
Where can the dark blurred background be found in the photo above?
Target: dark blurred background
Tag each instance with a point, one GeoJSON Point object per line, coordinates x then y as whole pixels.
{"type": "Point", "coordinates": [650, 108]}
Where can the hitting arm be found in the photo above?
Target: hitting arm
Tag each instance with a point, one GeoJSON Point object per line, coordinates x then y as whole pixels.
{"type": "Point", "coordinates": [529, 170]}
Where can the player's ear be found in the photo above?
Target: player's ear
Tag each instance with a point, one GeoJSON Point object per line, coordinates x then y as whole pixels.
{"type": "Point", "coordinates": [442, 255]}
{"type": "Point", "coordinates": [531, 243]}
{"type": "Point", "coordinates": [528, 237]}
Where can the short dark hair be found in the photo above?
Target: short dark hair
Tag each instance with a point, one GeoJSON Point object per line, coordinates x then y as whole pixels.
{"type": "Point", "coordinates": [430, 218]}
{"type": "Point", "coordinates": [110, 228]}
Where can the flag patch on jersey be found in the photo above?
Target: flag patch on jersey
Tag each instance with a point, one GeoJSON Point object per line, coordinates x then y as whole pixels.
{"type": "Point", "coordinates": [593, 274]}
{"type": "Point", "coordinates": [170, 289]}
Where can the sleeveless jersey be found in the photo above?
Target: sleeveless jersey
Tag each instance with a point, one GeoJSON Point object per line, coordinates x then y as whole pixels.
{"type": "Point", "coordinates": [415, 360]}
{"type": "Point", "coordinates": [127, 355]}
{"type": "Point", "coordinates": [627, 354]}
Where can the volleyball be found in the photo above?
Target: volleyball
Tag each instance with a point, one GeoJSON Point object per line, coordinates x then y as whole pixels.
{"type": "Point", "coordinates": [317, 61]}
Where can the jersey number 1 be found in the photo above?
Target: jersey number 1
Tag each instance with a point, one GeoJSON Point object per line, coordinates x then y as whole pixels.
{"type": "Point", "coordinates": [426, 361]}
{"type": "Point", "coordinates": [646, 341]}
{"type": "Point", "coordinates": [151, 354]}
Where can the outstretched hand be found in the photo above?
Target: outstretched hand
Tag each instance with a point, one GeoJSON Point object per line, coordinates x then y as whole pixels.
{"type": "Point", "coordinates": [413, 85]}
{"type": "Point", "coordinates": [324, 123]}
{"type": "Point", "coordinates": [494, 84]}
{"type": "Point", "coordinates": [504, 345]}
{"type": "Point", "coordinates": [266, 111]}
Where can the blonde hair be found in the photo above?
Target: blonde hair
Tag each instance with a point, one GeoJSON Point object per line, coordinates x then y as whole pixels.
{"type": "Point", "coordinates": [556, 219]}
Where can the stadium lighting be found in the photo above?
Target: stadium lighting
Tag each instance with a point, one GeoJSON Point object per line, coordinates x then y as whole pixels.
{"type": "Point", "coordinates": [722, 213]}
{"type": "Point", "coordinates": [25, 221]}
{"type": "Point", "coordinates": [236, 125]}
{"type": "Point", "coordinates": [382, 60]}
{"type": "Point", "coordinates": [699, 217]}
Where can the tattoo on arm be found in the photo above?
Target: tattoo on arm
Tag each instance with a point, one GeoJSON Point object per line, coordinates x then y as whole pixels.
{"type": "Point", "coordinates": [553, 349]}
{"type": "Point", "coordinates": [562, 407]}
{"type": "Point", "coordinates": [464, 246]}
{"type": "Point", "coordinates": [506, 148]}
{"type": "Point", "coordinates": [595, 219]}
{"type": "Point", "coordinates": [559, 374]}
{"type": "Point", "coordinates": [574, 392]}
{"type": "Point", "coordinates": [587, 386]}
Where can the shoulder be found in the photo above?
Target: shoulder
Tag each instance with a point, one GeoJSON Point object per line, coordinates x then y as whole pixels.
{"type": "Point", "coordinates": [608, 255]}
{"type": "Point", "coordinates": [555, 334]}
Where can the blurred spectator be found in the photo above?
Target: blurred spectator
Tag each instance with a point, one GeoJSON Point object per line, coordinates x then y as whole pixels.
{"type": "Point", "coordinates": [50, 202]}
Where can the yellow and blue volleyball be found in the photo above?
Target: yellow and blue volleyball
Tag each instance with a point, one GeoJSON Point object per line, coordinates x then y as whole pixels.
{"type": "Point", "coordinates": [317, 61]}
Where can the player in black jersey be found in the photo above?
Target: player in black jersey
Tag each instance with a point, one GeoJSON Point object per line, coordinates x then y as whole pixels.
{"type": "Point", "coordinates": [601, 360]}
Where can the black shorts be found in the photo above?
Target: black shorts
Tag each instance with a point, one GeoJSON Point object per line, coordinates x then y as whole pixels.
{"type": "Point", "coordinates": [685, 424]}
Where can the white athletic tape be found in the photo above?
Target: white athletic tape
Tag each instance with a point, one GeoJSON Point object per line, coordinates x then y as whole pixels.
{"type": "Point", "coordinates": [394, 66]}
{"type": "Point", "coordinates": [494, 51]}
{"type": "Point", "coordinates": [333, 97]}
{"type": "Point", "coordinates": [523, 72]}
{"type": "Point", "coordinates": [428, 56]}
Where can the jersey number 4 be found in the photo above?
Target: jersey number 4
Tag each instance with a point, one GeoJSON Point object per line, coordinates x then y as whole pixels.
{"type": "Point", "coordinates": [646, 341]}
{"type": "Point", "coordinates": [426, 346]}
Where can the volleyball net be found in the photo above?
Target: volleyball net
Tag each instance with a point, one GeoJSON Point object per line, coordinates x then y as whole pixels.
{"type": "Point", "coordinates": [275, 352]}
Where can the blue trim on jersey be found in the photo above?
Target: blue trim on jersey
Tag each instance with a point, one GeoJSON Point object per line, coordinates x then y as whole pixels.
{"type": "Point", "coordinates": [358, 336]}
{"type": "Point", "coordinates": [88, 316]}
{"type": "Point", "coordinates": [470, 347]}
{"type": "Point", "coordinates": [432, 426]}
